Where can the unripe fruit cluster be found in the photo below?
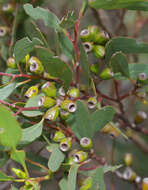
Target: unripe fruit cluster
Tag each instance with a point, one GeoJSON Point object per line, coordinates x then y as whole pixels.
{"type": "Point", "coordinates": [94, 40]}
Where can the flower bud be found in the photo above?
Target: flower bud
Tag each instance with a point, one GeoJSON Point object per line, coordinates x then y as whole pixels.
{"type": "Point", "coordinates": [129, 174]}
{"type": "Point", "coordinates": [8, 8]}
{"type": "Point", "coordinates": [86, 184]}
{"type": "Point", "coordinates": [99, 51]}
{"type": "Point", "coordinates": [140, 117]}
{"type": "Point", "coordinates": [106, 74]}
{"type": "Point", "coordinates": [3, 31]}
{"type": "Point", "coordinates": [31, 92]}
{"type": "Point", "coordinates": [68, 105]}
{"type": "Point", "coordinates": [145, 183]}
{"type": "Point", "coordinates": [19, 173]}
{"type": "Point", "coordinates": [88, 46]}
{"type": "Point", "coordinates": [58, 136]}
{"type": "Point", "coordinates": [128, 159]}
{"type": "Point", "coordinates": [110, 129]}
{"type": "Point", "coordinates": [86, 143]}
{"type": "Point", "coordinates": [80, 156]}
{"type": "Point", "coordinates": [49, 89]}
{"type": "Point", "coordinates": [65, 144]}
{"type": "Point", "coordinates": [85, 35]}
{"type": "Point", "coordinates": [52, 114]}
{"type": "Point", "coordinates": [74, 93]}
{"type": "Point", "coordinates": [46, 102]}
{"type": "Point", "coordinates": [11, 63]}
{"type": "Point", "coordinates": [92, 102]}
{"type": "Point", "coordinates": [94, 68]}
{"type": "Point", "coordinates": [64, 114]}
{"type": "Point", "coordinates": [35, 65]}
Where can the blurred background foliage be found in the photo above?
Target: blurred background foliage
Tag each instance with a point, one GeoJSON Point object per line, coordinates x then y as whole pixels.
{"type": "Point", "coordinates": [133, 26]}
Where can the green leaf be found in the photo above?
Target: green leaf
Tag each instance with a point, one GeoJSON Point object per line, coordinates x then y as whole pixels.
{"type": "Point", "coordinates": [31, 133]}
{"type": "Point", "coordinates": [4, 157]}
{"type": "Point", "coordinates": [101, 117]}
{"type": "Point", "coordinates": [143, 6]}
{"type": "Point", "coordinates": [68, 21]}
{"type": "Point", "coordinates": [52, 146]}
{"type": "Point", "coordinates": [55, 66]}
{"type": "Point", "coordinates": [63, 184]}
{"type": "Point", "coordinates": [72, 177]}
{"type": "Point", "coordinates": [6, 91]}
{"type": "Point", "coordinates": [4, 177]}
{"type": "Point", "coordinates": [119, 64]}
{"type": "Point", "coordinates": [24, 46]}
{"type": "Point", "coordinates": [34, 32]}
{"type": "Point", "coordinates": [56, 159]}
{"type": "Point", "coordinates": [98, 179]}
{"type": "Point", "coordinates": [126, 45]}
{"type": "Point", "coordinates": [85, 125]}
{"type": "Point", "coordinates": [33, 102]}
{"type": "Point", "coordinates": [66, 45]}
{"type": "Point", "coordinates": [19, 156]}
{"type": "Point", "coordinates": [111, 168]}
{"type": "Point", "coordinates": [136, 69]}
{"type": "Point", "coordinates": [84, 64]}
{"type": "Point", "coordinates": [113, 4]}
{"type": "Point", "coordinates": [10, 131]}
{"type": "Point", "coordinates": [80, 122]}
{"type": "Point", "coordinates": [48, 17]}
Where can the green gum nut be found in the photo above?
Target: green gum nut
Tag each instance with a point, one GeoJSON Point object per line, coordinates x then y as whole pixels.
{"type": "Point", "coordinates": [86, 184]}
{"type": "Point", "coordinates": [19, 173]}
{"type": "Point", "coordinates": [35, 65]}
{"type": "Point", "coordinates": [129, 174]}
{"type": "Point", "coordinates": [46, 102]}
{"type": "Point", "coordinates": [57, 136]}
{"type": "Point", "coordinates": [61, 91]}
{"type": "Point", "coordinates": [128, 159]}
{"type": "Point", "coordinates": [85, 35]}
{"type": "Point", "coordinates": [31, 92]}
{"type": "Point", "coordinates": [101, 37]}
{"type": "Point", "coordinates": [8, 8]}
{"type": "Point", "coordinates": [94, 68]}
{"type": "Point", "coordinates": [93, 29]}
{"type": "Point", "coordinates": [69, 105]}
{"type": "Point", "coordinates": [86, 143]}
{"type": "Point", "coordinates": [49, 89]}
{"type": "Point", "coordinates": [99, 51]}
{"type": "Point", "coordinates": [106, 74]}
{"type": "Point", "coordinates": [88, 46]}
{"type": "Point", "coordinates": [3, 31]}
{"type": "Point", "coordinates": [11, 63]}
{"type": "Point", "coordinates": [74, 93]}
{"type": "Point", "coordinates": [92, 102]}
{"type": "Point", "coordinates": [26, 59]}
{"type": "Point", "coordinates": [80, 156]}
{"type": "Point", "coordinates": [65, 144]}
{"type": "Point", "coordinates": [140, 117]}
{"type": "Point", "coordinates": [52, 114]}
{"type": "Point", "coordinates": [142, 78]}
{"type": "Point", "coordinates": [64, 114]}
